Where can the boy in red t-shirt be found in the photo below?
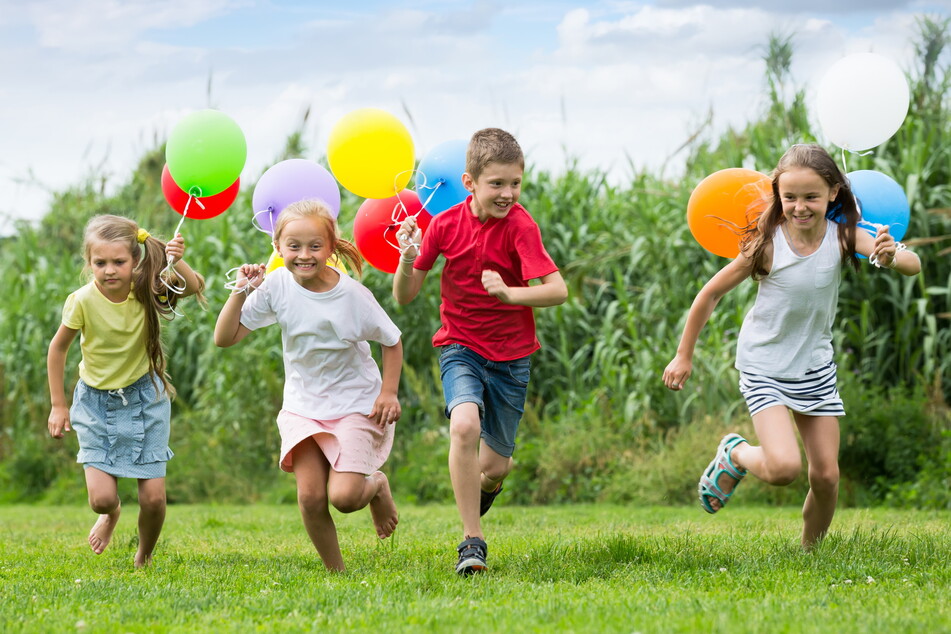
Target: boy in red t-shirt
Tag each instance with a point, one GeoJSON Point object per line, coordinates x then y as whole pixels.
{"type": "Point", "coordinates": [493, 248]}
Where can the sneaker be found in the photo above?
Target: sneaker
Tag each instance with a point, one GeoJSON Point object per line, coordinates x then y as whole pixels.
{"type": "Point", "coordinates": [472, 553]}
{"type": "Point", "coordinates": [487, 498]}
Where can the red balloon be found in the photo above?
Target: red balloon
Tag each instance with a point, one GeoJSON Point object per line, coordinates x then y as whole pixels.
{"type": "Point", "coordinates": [376, 224]}
{"type": "Point", "coordinates": [214, 205]}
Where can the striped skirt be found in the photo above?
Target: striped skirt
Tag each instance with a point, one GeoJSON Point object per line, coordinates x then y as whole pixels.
{"type": "Point", "coordinates": [814, 394]}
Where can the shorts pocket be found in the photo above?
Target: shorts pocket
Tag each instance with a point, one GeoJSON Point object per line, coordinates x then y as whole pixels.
{"type": "Point", "coordinates": [520, 371]}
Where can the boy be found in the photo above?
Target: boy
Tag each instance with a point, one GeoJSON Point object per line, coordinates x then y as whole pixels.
{"type": "Point", "coordinates": [493, 248]}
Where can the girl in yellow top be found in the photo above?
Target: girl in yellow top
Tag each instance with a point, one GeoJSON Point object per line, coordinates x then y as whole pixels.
{"type": "Point", "coordinates": [121, 405]}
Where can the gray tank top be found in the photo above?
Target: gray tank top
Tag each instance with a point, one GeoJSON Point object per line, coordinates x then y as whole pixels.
{"type": "Point", "coordinates": [789, 329]}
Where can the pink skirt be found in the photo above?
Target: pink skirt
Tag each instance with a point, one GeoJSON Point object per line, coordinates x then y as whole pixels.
{"type": "Point", "coordinates": [353, 444]}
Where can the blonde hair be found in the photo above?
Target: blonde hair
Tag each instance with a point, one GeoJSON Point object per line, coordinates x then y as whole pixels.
{"type": "Point", "coordinates": [147, 285]}
{"type": "Point", "coordinates": [320, 212]}
{"type": "Point", "coordinates": [492, 145]}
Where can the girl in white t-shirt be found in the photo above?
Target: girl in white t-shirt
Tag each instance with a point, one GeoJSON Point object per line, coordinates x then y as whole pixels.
{"type": "Point", "coordinates": [337, 418]}
{"type": "Point", "coordinates": [784, 353]}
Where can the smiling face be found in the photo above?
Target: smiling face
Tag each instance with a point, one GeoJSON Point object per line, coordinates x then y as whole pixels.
{"type": "Point", "coordinates": [496, 190]}
{"type": "Point", "coordinates": [306, 244]}
{"type": "Point", "coordinates": [805, 197]}
{"type": "Point", "coordinates": [112, 264]}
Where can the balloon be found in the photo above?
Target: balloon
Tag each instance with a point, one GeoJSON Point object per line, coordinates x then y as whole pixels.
{"type": "Point", "coordinates": [213, 205]}
{"type": "Point", "coordinates": [722, 204]}
{"type": "Point", "coordinates": [376, 224]}
{"type": "Point", "coordinates": [288, 182]}
{"type": "Point", "coordinates": [861, 101]}
{"type": "Point", "coordinates": [439, 176]}
{"type": "Point", "coordinates": [882, 201]}
{"type": "Point", "coordinates": [205, 152]}
{"type": "Point", "coordinates": [276, 262]}
{"type": "Point", "coordinates": [371, 153]}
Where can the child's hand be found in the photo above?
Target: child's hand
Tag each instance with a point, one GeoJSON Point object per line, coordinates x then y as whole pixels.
{"type": "Point", "coordinates": [677, 372]}
{"type": "Point", "coordinates": [250, 275]}
{"type": "Point", "coordinates": [408, 237]}
{"type": "Point", "coordinates": [175, 249]}
{"type": "Point", "coordinates": [59, 422]}
{"type": "Point", "coordinates": [885, 247]}
{"type": "Point", "coordinates": [494, 286]}
{"type": "Point", "coordinates": [386, 410]}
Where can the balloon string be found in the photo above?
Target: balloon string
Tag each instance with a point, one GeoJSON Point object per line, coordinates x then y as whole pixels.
{"type": "Point", "coordinates": [169, 272]}
{"type": "Point", "coordinates": [425, 185]}
{"type": "Point", "coordinates": [257, 225]}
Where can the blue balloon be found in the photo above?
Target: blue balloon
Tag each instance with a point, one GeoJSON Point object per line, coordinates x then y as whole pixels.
{"type": "Point", "coordinates": [882, 201]}
{"type": "Point", "coordinates": [439, 181]}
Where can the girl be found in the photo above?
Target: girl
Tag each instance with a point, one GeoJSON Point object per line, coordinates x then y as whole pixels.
{"type": "Point", "coordinates": [121, 403]}
{"type": "Point", "coordinates": [784, 352]}
{"type": "Point", "coordinates": [337, 419]}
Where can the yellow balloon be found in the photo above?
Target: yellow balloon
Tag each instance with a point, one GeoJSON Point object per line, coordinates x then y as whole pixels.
{"type": "Point", "coordinates": [276, 261]}
{"type": "Point", "coordinates": [371, 153]}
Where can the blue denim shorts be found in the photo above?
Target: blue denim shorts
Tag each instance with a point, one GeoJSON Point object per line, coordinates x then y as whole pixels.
{"type": "Point", "coordinates": [123, 432]}
{"type": "Point", "coordinates": [497, 387]}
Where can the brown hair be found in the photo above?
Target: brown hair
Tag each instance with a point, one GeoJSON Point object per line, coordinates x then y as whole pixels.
{"type": "Point", "coordinates": [842, 210]}
{"type": "Point", "coordinates": [320, 212]}
{"type": "Point", "coordinates": [147, 285]}
{"type": "Point", "coordinates": [492, 145]}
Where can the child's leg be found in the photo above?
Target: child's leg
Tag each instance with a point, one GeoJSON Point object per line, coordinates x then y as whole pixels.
{"type": "Point", "coordinates": [776, 460]}
{"type": "Point", "coordinates": [820, 438]}
{"type": "Point", "coordinates": [350, 492]}
{"type": "Point", "coordinates": [494, 467]}
{"type": "Point", "coordinates": [465, 431]}
{"type": "Point", "coordinates": [311, 471]}
{"type": "Point", "coordinates": [103, 499]}
{"type": "Point", "coordinates": [151, 518]}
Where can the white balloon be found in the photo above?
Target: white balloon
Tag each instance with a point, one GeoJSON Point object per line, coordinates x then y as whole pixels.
{"type": "Point", "coordinates": [861, 101]}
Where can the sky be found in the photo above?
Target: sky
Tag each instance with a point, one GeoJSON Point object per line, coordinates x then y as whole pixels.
{"type": "Point", "coordinates": [87, 86]}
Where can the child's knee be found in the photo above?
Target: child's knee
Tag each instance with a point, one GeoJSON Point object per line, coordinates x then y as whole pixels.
{"type": "Point", "coordinates": [824, 479]}
{"type": "Point", "coordinates": [152, 501]}
{"type": "Point", "coordinates": [103, 503]}
{"type": "Point", "coordinates": [496, 470]}
{"type": "Point", "coordinates": [783, 470]}
{"type": "Point", "coordinates": [312, 500]}
{"type": "Point", "coordinates": [346, 500]}
{"type": "Point", "coordinates": [466, 429]}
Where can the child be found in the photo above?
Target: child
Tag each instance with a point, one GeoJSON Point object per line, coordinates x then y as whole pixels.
{"type": "Point", "coordinates": [121, 403]}
{"type": "Point", "coordinates": [337, 419]}
{"type": "Point", "coordinates": [493, 248]}
{"type": "Point", "coordinates": [784, 353]}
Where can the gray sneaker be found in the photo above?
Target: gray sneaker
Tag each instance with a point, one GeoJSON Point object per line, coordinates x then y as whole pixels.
{"type": "Point", "coordinates": [472, 552]}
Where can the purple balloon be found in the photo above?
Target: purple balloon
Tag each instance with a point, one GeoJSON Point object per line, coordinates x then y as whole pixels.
{"type": "Point", "coordinates": [288, 182]}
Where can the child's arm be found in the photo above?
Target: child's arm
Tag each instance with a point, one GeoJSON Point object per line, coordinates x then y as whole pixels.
{"type": "Point", "coordinates": [551, 292]}
{"type": "Point", "coordinates": [885, 251]}
{"type": "Point", "coordinates": [407, 281]}
{"type": "Point", "coordinates": [386, 409]}
{"type": "Point", "coordinates": [726, 279]}
{"type": "Point", "coordinates": [228, 328]}
{"type": "Point", "coordinates": [175, 250]}
{"type": "Point", "coordinates": [56, 370]}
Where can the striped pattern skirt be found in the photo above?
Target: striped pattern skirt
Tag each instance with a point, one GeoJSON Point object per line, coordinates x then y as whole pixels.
{"type": "Point", "coordinates": [815, 394]}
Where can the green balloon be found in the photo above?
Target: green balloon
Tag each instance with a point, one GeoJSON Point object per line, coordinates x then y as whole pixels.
{"type": "Point", "coordinates": [206, 152]}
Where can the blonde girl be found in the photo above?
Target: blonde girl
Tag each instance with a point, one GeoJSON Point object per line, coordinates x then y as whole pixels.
{"type": "Point", "coordinates": [336, 423]}
{"type": "Point", "coordinates": [120, 409]}
{"type": "Point", "coordinates": [784, 353]}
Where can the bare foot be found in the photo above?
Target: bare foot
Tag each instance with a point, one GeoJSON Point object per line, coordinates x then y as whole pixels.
{"type": "Point", "coordinates": [141, 561]}
{"type": "Point", "coordinates": [102, 530]}
{"type": "Point", "coordinates": [383, 508]}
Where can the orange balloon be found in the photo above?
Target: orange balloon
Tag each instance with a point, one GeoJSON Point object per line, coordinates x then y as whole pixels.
{"type": "Point", "coordinates": [722, 204]}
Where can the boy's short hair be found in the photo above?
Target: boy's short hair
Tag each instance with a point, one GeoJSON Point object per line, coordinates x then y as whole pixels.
{"type": "Point", "coordinates": [492, 145]}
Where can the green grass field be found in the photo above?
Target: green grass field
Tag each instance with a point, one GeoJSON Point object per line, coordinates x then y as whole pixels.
{"type": "Point", "coordinates": [570, 568]}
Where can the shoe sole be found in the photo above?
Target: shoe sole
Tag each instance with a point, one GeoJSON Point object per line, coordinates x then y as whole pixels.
{"type": "Point", "coordinates": [470, 567]}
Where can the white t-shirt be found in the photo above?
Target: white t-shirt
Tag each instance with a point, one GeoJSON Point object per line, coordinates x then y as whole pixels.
{"type": "Point", "coordinates": [789, 329]}
{"type": "Point", "coordinates": [328, 369]}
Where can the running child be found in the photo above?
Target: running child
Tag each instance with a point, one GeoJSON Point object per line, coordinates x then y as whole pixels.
{"type": "Point", "coordinates": [336, 423]}
{"type": "Point", "coordinates": [493, 249]}
{"type": "Point", "coordinates": [121, 406]}
{"type": "Point", "coordinates": [784, 354]}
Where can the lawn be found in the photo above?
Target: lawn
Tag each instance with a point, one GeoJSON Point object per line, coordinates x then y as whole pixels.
{"type": "Point", "coordinates": [569, 568]}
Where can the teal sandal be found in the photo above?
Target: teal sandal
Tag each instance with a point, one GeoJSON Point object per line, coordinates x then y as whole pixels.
{"type": "Point", "coordinates": [721, 463]}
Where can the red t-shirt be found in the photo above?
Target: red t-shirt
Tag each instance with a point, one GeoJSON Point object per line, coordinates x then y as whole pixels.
{"type": "Point", "coordinates": [512, 247]}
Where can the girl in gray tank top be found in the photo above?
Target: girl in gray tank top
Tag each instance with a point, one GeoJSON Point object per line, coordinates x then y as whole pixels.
{"type": "Point", "coordinates": [794, 251]}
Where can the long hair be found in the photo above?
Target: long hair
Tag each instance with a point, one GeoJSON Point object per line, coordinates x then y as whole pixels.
{"type": "Point", "coordinates": [147, 285]}
{"type": "Point", "coordinates": [319, 211]}
{"type": "Point", "coordinates": [842, 210]}
{"type": "Point", "coordinates": [492, 145]}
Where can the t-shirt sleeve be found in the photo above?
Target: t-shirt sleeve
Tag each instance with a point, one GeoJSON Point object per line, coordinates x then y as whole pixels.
{"type": "Point", "coordinates": [376, 325]}
{"type": "Point", "coordinates": [531, 250]}
{"type": "Point", "coordinates": [73, 316]}
{"type": "Point", "coordinates": [258, 311]}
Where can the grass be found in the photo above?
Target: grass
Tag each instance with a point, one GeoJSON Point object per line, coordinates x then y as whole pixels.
{"type": "Point", "coordinates": [578, 568]}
